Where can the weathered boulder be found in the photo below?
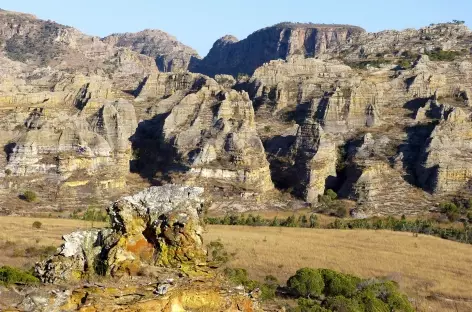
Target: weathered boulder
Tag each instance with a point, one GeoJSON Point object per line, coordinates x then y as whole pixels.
{"type": "Point", "coordinates": [159, 226]}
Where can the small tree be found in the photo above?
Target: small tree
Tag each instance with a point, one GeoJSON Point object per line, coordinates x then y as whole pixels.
{"type": "Point", "coordinates": [313, 221]}
{"type": "Point", "coordinates": [37, 225]}
{"type": "Point", "coordinates": [306, 283]}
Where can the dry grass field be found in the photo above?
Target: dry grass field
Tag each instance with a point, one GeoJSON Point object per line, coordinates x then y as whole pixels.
{"type": "Point", "coordinates": [428, 268]}
{"type": "Point", "coordinates": [436, 272]}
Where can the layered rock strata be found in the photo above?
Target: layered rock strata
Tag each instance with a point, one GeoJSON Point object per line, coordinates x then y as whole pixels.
{"type": "Point", "coordinates": [170, 54]}
{"type": "Point", "coordinates": [231, 56]}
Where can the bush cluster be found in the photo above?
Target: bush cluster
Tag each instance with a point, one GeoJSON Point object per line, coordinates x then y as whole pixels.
{"type": "Point", "coordinates": [217, 253]}
{"type": "Point", "coordinates": [457, 209]}
{"type": "Point", "coordinates": [308, 221]}
{"type": "Point", "coordinates": [428, 227]}
{"type": "Point", "coordinates": [323, 290]}
{"type": "Point", "coordinates": [441, 55]}
{"type": "Point", "coordinates": [239, 276]}
{"type": "Point", "coordinates": [9, 275]}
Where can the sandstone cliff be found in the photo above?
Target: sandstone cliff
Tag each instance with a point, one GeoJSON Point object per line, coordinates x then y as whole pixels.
{"type": "Point", "coordinates": [326, 106]}
{"type": "Point", "coordinates": [170, 54]}
{"type": "Point", "coordinates": [281, 41]}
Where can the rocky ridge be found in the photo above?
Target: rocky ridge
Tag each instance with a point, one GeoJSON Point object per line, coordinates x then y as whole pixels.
{"type": "Point", "coordinates": [231, 56]}
{"type": "Point", "coordinates": [80, 120]}
{"type": "Point", "coordinates": [170, 54]}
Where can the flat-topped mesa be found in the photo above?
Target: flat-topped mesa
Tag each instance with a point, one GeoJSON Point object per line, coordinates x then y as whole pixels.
{"type": "Point", "coordinates": [158, 227]}
{"type": "Point", "coordinates": [65, 144]}
{"type": "Point", "coordinates": [230, 56]}
{"type": "Point", "coordinates": [170, 54]}
{"type": "Point", "coordinates": [160, 85]}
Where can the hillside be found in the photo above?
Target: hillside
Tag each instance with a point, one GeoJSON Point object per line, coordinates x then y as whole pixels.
{"type": "Point", "coordinates": [381, 119]}
{"type": "Point", "coordinates": [436, 280]}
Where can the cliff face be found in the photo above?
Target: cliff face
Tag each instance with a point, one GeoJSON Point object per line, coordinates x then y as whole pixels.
{"type": "Point", "coordinates": [366, 114]}
{"type": "Point", "coordinates": [170, 54]}
{"type": "Point", "coordinates": [230, 56]}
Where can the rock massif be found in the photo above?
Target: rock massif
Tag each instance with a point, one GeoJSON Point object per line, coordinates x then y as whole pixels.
{"type": "Point", "coordinates": [281, 41]}
{"type": "Point", "coordinates": [325, 107]}
{"type": "Point", "coordinates": [170, 54]}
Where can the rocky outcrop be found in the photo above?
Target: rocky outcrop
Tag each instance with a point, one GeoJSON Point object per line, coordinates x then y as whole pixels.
{"type": "Point", "coordinates": [170, 54]}
{"type": "Point", "coordinates": [279, 84]}
{"type": "Point", "coordinates": [377, 188]}
{"type": "Point", "coordinates": [172, 294]}
{"type": "Point", "coordinates": [154, 234]}
{"type": "Point", "coordinates": [444, 36]}
{"type": "Point", "coordinates": [444, 165]}
{"type": "Point", "coordinates": [315, 161]}
{"type": "Point", "coordinates": [231, 56]}
{"type": "Point", "coordinates": [160, 85]}
{"type": "Point", "coordinates": [159, 226]}
{"type": "Point", "coordinates": [41, 43]}
{"type": "Point", "coordinates": [214, 133]}
{"type": "Point", "coordinates": [64, 144]}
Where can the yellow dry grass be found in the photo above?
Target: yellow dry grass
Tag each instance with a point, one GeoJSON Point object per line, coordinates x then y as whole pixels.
{"type": "Point", "coordinates": [17, 234]}
{"type": "Point", "coordinates": [424, 266]}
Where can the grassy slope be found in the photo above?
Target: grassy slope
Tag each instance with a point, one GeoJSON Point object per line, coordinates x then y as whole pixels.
{"type": "Point", "coordinates": [424, 266]}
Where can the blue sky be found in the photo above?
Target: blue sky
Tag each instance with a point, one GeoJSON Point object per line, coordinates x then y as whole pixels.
{"type": "Point", "coordinates": [200, 23]}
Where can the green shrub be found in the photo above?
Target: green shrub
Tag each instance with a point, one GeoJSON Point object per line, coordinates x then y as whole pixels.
{"type": "Point", "coordinates": [269, 288]}
{"type": "Point", "coordinates": [451, 210]}
{"type": "Point", "coordinates": [237, 276]}
{"type": "Point", "coordinates": [405, 64]}
{"type": "Point", "coordinates": [338, 284]}
{"type": "Point", "coordinates": [9, 275]}
{"type": "Point", "coordinates": [37, 225]}
{"type": "Point", "coordinates": [313, 221]}
{"type": "Point", "coordinates": [344, 304]}
{"type": "Point", "coordinates": [217, 252]}
{"type": "Point", "coordinates": [306, 283]}
{"type": "Point", "coordinates": [307, 305]}
{"type": "Point", "coordinates": [372, 303]}
{"type": "Point", "coordinates": [30, 196]}
{"type": "Point", "coordinates": [8, 172]}
{"type": "Point", "coordinates": [340, 211]}
{"type": "Point", "coordinates": [441, 55]}
{"type": "Point", "coordinates": [331, 194]}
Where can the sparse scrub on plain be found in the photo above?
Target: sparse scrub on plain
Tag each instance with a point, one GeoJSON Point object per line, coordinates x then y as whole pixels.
{"type": "Point", "coordinates": [30, 196]}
